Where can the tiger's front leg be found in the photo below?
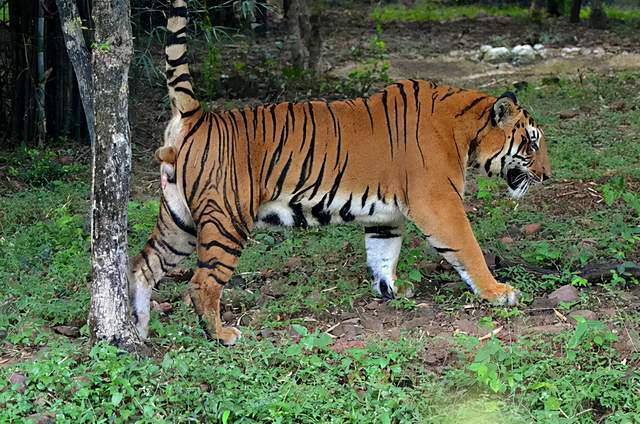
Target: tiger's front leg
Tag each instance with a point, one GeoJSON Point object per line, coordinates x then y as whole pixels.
{"type": "Point", "coordinates": [220, 243]}
{"type": "Point", "coordinates": [449, 232]}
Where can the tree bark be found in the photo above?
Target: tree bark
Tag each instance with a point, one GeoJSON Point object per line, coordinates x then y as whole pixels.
{"type": "Point", "coordinates": [109, 318]}
{"type": "Point", "coordinates": [79, 57]}
{"type": "Point", "coordinates": [41, 118]}
{"type": "Point", "coordinates": [574, 16]}
{"type": "Point", "coordinates": [597, 18]}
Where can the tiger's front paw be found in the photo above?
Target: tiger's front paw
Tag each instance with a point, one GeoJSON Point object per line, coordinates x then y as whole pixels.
{"type": "Point", "coordinates": [501, 294]}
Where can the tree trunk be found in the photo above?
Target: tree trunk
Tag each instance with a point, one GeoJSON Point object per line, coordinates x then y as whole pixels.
{"type": "Point", "coordinates": [537, 10]}
{"type": "Point", "coordinates": [79, 56]}
{"type": "Point", "coordinates": [553, 7]}
{"type": "Point", "coordinates": [574, 15]}
{"type": "Point", "coordinates": [597, 18]}
{"type": "Point", "coordinates": [41, 118]}
{"type": "Point", "coordinates": [109, 318]}
{"type": "Point", "coordinates": [297, 19]}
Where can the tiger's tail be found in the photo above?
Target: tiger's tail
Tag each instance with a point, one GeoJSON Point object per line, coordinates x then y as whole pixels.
{"type": "Point", "coordinates": [183, 100]}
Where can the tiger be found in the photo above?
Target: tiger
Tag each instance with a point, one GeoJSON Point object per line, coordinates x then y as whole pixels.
{"type": "Point", "coordinates": [400, 154]}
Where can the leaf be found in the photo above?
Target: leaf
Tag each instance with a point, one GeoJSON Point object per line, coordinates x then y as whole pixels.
{"type": "Point", "coordinates": [303, 331]}
{"type": "Point", "coordinates": [116, 398]}
{"type": "Point", "coordinates": [225, 416]}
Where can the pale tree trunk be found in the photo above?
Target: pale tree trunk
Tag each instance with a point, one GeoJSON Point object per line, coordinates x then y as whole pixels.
{"type": "Point", "coordinates": [78, 55]}
{"type": "Point", "coordinates": [306, 42]}
{"type": "Point", "coordinates": [109, 318]}
{"type": "Point", "coordinates": [597, 18]}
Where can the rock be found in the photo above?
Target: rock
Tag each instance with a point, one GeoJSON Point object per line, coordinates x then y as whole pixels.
{"type": "Point", "coordinates": [543, 303]}
{"type": "Point", "coordinates": [163, 308]}
{"type": "Point", "coordinates": [485, 48]}
{"type": "Point", "coordinates": [566, 293]}
{"type": "Point", "coordinates": [341, 345]}
{"type": "Point", "coordinates": [548, 329]}
{"type": "Point", "coordinates": [371, 323]}
{"type": "Point", "coordinates": [538, 47]}
{"type": "Point", "coordinates": [18, 380]}
{"type": "Point", "coordinates": [41, 418]}
{"type": "Point", "coordinates": [466, 326]}
{"type": "Point", "coordinates": [394, 333]}
{"type": "Point", "coordinates": [570, 51]}
{"type": "Point", "coordinates": [523, 54]}
{"type": "Point", "coordinates": [293, 262]}
{"type": "Point", "coordinates": [598, 51]}
{"type": "Point", "coordinates": [568, 114]}
{"type": "Point", "coordinates": [67, 330]}
{"type": "Point", "coordinates": [618, 106]}
{"type": "Point", "coordinates": [427, 267]}
{"type": "Point", "coordinates": [246, 320]}
{"type": "Point", "coordinates": [584, 313]}
{"type": "Point", "coordinates": [531, 229]}
{"type": "Point", "coordinates": [506, 240]}
{"type": "Point", "coordinates": [373, 305]}
{"type": "Point", "coordinates": [490, 259]}
{"type": "Point", "coordinates": [497, 55]}
{"type": "Point", "coordinates": [228, 316]}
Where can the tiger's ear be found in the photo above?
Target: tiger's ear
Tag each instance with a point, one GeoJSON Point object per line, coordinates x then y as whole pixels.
{"type": "Point", "coordinates": [503, 109]}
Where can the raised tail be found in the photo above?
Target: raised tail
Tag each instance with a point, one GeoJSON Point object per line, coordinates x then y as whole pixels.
{"type": "Point", "coordinates": [181, 94]}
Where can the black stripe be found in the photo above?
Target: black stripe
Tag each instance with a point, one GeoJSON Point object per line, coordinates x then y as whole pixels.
{"type": "Point", "coordinates": [404, 111]}
{"type": "Point", "coordinates": [174, 63]}
{"type": "Point", "coordinates": [179, 221]}
{"type": "Point", "coordinates": [386, 114]}
{"type": "Point", "coordinates": [281, 178]}
{"type": "Point", "coordinates": [416, 90]}
{"type": "Point", "coordinates": [228, 249]}
{"type": "Point", "coordinates": [178, 11]}
{"type": "Point", "coordinates": [320, 214]}
{"type": "Point", "coordinates": [470, 106]}
{"type": "Point", "coordinates": [181, 78]}
{"type": "Point", "coordinates": [345, 211]}
{"type": "Point", "coordinates": [366, 106]}
{"type": "Point", "coordinates": [336, 183]}
{"type": "Point", "coordinates": [455, 188]}
{"type": "Point", "coordinates": [364, 196]}
{"type": "Point", "coordinates": [445, 249]}
{"type": "Point", "coordinates": [299, 219]}
{"type": "Point", "coordinates": [186, 91]}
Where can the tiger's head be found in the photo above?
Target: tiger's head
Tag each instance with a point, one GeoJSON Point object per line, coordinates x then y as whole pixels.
{"type": "Point", "coordinates": [514, 147]}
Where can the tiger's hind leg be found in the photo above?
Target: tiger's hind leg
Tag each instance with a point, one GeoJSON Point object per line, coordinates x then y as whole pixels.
{"type": "Point", "coordinates": [220, 242]}
{"type": "Point", "coordinates": [172, 239]}
{"type": "Point", "coordinates": [383, 243]}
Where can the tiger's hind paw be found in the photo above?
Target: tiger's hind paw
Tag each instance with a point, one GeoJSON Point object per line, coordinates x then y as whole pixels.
{"type": "Point", "coordinates": [229, 336]}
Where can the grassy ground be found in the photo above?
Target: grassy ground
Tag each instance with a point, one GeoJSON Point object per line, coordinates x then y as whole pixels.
{"type": "Point", "coordinates": [317, 347]}
{"type": "Point", "coordinates": [426, 10]}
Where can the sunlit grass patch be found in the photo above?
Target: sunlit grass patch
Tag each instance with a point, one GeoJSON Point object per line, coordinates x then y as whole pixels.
{"type": "Point", "coordinates": [424, 11]}
{"type": "Point", "coordinates": [612, 12]}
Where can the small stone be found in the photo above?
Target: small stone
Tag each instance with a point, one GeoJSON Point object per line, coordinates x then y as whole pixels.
{"type": "Point", "coordinates": [490, 259]}
{"type": "Point", "coordinates": [506, 240]}
{"type": "Point", "coordinates": [228, 316]}
{"type": "Point", "coordinates": [538, 47]}
{"type": "Point", "coordinates": [18, 380]}
{"type": "Point", "coordinates": [427, 267]}
{"type": "Point", "coordinates": [497, 54]}
{"type": "Point", "coordinates": [523, 54]}
{"type": "Point", "coordinates": [548, 329]}
{"type": "Point", "coordinates": [41, 418]}
{"type": "Point", "coordinates": [584, 313]}
{"type": "Point", "coordinates": [246, 320]}
{"type": "Point", "coordinates": [566, 293]}
{"type": "Point", "coordinates": [67, 330]}
{"type": "Point", "coordinates": [394, 333]}
{"type": "Point", "coordinates": [341, 345]}
{"type": "Point", "coordinates": [531, 229]}
{"type": "Point", "coordinates": [618, 106]}
{"type": "Point", "coordinates": [371, 323]}
{"type": "Point", "coordinates": [163, 308]}
{"type": "Point", "coordinates": [294, 262]}
{"type": "Point", "coordinates": [372, 305]}
{"type": "Point", "coordinates": [568, 114]}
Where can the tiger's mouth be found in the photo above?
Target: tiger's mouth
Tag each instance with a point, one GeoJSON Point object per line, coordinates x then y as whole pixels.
{"type": "Point", "coordinates": [518, 181]}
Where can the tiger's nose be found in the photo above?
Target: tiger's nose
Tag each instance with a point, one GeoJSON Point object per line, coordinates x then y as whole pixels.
{"type": "Point", "coordinates": [545, 176]}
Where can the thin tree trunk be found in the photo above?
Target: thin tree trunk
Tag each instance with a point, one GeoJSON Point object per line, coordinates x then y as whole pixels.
{"type": "Point", "coordinates": [597, 18]}
{"type": "Point", "coordinates": [41, 117]}
{"type": "Point", "coordinates": [574, 16]}
{"type": "Point", "coordinates": [79, 57]}
{"type": "Point", "coordinates": [109, 318]}
{"type": "Point", "coordinates": [298, 21]}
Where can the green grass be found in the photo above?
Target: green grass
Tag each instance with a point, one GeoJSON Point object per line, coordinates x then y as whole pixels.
{"type": "Point", "coordinates": [298, 374]}
{"type": "Point", "coordinates": [617, 13]}
{"type": "Point", "coordinates": [425, 11]}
